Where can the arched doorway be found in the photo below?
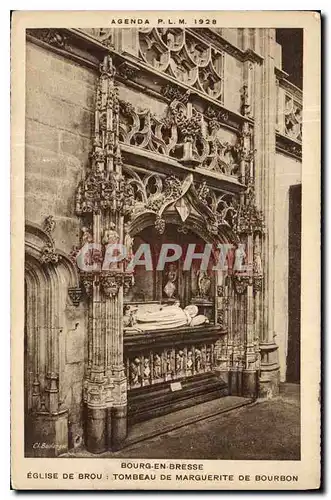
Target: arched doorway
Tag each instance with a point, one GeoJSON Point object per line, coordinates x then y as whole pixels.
{"type": "Point", "coordinates": [48, 273]}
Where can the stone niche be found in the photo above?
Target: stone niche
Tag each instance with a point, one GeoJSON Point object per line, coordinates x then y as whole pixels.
{"type": "Point", "coordinates": [152, 285]}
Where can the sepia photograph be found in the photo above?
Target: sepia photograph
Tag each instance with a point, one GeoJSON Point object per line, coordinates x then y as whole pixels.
{"type": "Point", "coordinates": [162, 246]}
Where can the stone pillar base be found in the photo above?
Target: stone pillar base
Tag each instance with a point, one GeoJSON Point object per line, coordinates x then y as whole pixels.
{"type": "Point", "coordinates": [96, 435]}
{"type": "Point", "coordinates": [250, 384]}
{"type": "Point", "coordinates": [46, 434]}
{"type": "Point", "coordinates": [235, 382]}
{"type": "Point", "coordinates": [106, 429]}
{"type": "Point", "coordinates": [269, 371]}
{"type": "Point", "coordinates": [269, 383]}
{"type": "Point", "coordinates": [119, 427]}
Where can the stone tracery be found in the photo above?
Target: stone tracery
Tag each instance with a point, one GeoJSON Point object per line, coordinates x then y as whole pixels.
{"type": "Point", "coordinates": [179, 54]}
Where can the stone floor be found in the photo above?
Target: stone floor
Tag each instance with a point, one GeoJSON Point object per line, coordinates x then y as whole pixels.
{"type": "Point", "coordinates": [263, 430]}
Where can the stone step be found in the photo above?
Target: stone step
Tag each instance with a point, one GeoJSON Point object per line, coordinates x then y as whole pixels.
{"type": "Point", "coordinates": [157, 400]}
{"type": "Point", "coordinates": [166, 423]}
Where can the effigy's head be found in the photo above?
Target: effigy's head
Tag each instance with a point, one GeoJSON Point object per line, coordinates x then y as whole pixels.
{"type": "Point", "coordinates": [192, 310]}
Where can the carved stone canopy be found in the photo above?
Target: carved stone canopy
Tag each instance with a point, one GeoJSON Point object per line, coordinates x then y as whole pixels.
{"type": "Point", "coordinates": [154, 195]}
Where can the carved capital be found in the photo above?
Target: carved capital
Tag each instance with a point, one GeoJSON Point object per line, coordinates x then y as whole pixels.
{"type": "Point", "coordinates": [110, 282]}
{"type": "Point", "coordinates": [241, 283]}
{"type": "Point", "coordinates": [87, 280]}
{"type": "Point", "coordinates": [98, 394]}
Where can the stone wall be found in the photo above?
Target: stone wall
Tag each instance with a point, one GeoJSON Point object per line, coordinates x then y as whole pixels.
{"type": "Point", "coordinates": [59, 119]}
{"type": "Point", "coordinates": [288, 173]}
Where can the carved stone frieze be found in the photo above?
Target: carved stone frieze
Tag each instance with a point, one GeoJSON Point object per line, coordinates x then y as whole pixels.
{"type": "Point", "coordinates": [184, 134]}
{"type": "Point", "coordinates": [98, 394]}
{"type": "Point", "coordinates": [172, 92]}
{"type": "Point", "coordinates": [109, 282]}
{"type": "Point", "coordinates": [127, 71]}
{"type": "Point", "coordinates": [51, 36]}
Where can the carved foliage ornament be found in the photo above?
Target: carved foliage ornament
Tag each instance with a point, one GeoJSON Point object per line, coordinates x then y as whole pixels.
{"type": "Point", "coordinates": [153, 193]}
{"type": "Point", "coordinates": [248, 218]}
{"type": "Point", "coordinates": [102, 190]}
{"type": "Point", "coordinates": [49, 254]}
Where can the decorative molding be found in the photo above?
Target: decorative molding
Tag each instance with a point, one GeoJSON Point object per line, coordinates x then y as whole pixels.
{"type": "Point", "coordinates": [288, 147]}
{"type": "Point", "coordinates": [257, 283]}
{"type": "Point", "coordinates": [54, 37]}
{"type": "Point", "coordinates": [71, 43]}
{"type": "Point", "coordinates": [48, 254]}
{"type": "Point", "coordinates": [127, 71]}
{"type": "Point", "coordinates": [291, 89]}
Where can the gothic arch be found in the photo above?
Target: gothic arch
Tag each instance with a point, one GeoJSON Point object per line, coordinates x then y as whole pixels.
{"type": "Point", "coordinates": [194, 222]}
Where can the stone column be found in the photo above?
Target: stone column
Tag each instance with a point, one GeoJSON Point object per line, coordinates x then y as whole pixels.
{"type": "Point", "coordinates": [100, 202]}
{"type": "Point", "coordinates": [265, 144]}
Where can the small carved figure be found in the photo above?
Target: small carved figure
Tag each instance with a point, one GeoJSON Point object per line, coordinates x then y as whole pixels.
{"type": "Point", "coordinates": [168, 363]}
{"type": "Point", "coordinates": [257, 264]}
{"type": "Point", "coordinates": [147, 370]}
{"type": "Point", "coordinates": [197, 360]}
{"type": "Point", "coordinates": [134, 371]}
{"type": "Point", "coordinates": [128, 243]}
{"type": "Point", "coordinates": [110, 236]}
{"type": "Point", "coordinates": [239, 258]}
{"type": "Point", "coordinates": [129, 315]}
{"type": "Point", "coordinates": [189, 362]}
{"type": "Point", "coordinates": [204, 283]}
{"type": "Point", "coordinates": [179, 361]}
{"type": "Point", "coordinates": [87, 236]}
{"type": "Point", "coordinates": [157, 366]}
{"type": "Point", "coordinates": [170, 287]}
